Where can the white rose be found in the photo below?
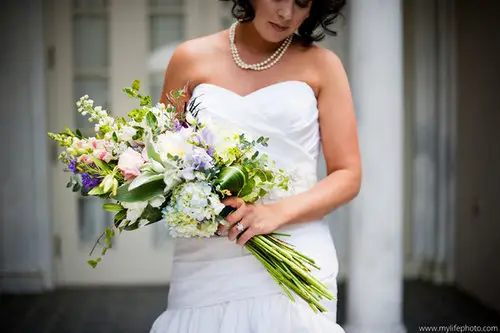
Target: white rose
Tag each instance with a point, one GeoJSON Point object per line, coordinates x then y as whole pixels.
{"type": "Point", "coordinates": [127, 133]}
{"type": "Point", "coordinates": [175, 143]}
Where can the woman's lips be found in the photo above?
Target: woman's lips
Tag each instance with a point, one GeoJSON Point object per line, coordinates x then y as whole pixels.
{"type": "Point", "coordinates": [278, 27]}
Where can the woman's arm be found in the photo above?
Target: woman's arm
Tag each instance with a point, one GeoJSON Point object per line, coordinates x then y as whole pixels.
{"type": "Point", "coordinates": [340, 147]}
{"type": "Point", "coordinates": [180, 69]}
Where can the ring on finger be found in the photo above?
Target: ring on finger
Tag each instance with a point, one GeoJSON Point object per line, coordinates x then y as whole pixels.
{"type": "Point", "coordinates": [239, 226]}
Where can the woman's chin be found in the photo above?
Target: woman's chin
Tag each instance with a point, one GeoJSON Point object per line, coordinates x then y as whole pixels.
{"type": "Point", "coordinates": [274, 37]}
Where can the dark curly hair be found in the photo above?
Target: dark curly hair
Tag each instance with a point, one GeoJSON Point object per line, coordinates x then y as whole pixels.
{"type": "Point", "coordinates": [323, 13]}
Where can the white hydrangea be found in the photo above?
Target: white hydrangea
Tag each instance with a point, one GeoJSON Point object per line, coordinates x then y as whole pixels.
{"type": "Point", "coordinates": [184, 227]}
{"type": "Point", "coordinates": [193, 211]}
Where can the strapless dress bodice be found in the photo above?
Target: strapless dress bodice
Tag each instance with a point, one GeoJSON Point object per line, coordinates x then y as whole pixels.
{"type": "Point", "coordinates": [216, 277]}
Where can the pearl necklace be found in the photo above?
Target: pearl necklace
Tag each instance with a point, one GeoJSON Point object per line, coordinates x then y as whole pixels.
{"type": "Point", "coordinates": [268, 63]}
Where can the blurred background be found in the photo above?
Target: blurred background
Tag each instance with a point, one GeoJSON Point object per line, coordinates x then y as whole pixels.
{"type": "Point", "coordinates": [444, 238]}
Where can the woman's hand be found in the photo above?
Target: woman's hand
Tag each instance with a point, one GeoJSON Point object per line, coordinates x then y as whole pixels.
{"type": "Point", "coordinates": [257, 219]}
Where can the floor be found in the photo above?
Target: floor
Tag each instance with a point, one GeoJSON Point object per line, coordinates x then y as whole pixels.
{"type": "Point", "coordinates": [127, 310]}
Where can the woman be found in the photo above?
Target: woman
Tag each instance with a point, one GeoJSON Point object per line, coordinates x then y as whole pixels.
{"type": "Point", "coordinates": [297, 94]}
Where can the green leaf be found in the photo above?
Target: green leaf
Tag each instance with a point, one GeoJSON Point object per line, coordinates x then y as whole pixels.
{"type": "Point", "coordinates": [96, 191]}
{"type": "Point", "coordinates": [136, 85]}
{"type": "Point", "coordinates": [232, 178]}
{"type": "Point", "coordinates": [130, 92]}
{"type": "Point", "coordinates": [151, 120]}
{"type": "Point", "coordinates": [139, 132]}
{"type": "Point", "coordinates": [177, 93]}
{"type": "Point", "coordinates": [79, 134]}
{"type": "Point", "coordinates": [141, 193]}
{"type": "Point", "coordinates": [76, 187]}
{"type": "Point", "coordinates": [94, 263]}
{"type": "Point", "coordinates": [146, 101]}
{"type": "Point", "coordinates": [102, 165]}
{"type": "Point", "coordinates": [119, 217]}
{"type": "Point", "coordinates": [110, 207]}
{"type": "Point", "coordinates": [247, 189]}
{"type": "Point", "coordinates": [109, 233]}
{"type": "Point", "coordinates": [152, 214]}
{"type": "Point", "coordinates": [121, 120]}
{"type": "Point", "coordinates": [144, 179]}
{"type": "Point", "coordinates": [133, 226]}
{"type": "Point", "coordinates": [152, 153]}
{"type": "Point", "coordinates": [115, 137]}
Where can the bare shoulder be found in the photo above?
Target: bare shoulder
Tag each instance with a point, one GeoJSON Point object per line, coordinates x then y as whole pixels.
{"type": "Point", "coordinates": [195, 49]}
{"type": "Point", "coordinates": [329, 71]}
{"type": "Point", "coordinates": [190, 60]}
{"type": "Point", "coordinates": [319, 66]}
{"type": "Point", "coordinates": [328, 65]}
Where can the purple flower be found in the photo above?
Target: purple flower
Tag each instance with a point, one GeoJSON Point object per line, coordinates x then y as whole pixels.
{"type": "Point", "coordinates": [210, 151]}
{"type": "Point", "coordinates": [208, 136]}
{"type": "Point", "coordinates": [198, 159]}
{"type": "Point", "coordinates": [72, 166]}
{"type": "Point", "coordinates": [177, 125]}
{"type": "Point", "coordinates": [89, 182]}
{"type": "Point", "coordinates": [197, 140]}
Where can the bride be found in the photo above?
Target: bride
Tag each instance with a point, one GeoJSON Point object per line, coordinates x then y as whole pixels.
{"type": "Point", "coordinates": [265, 76]}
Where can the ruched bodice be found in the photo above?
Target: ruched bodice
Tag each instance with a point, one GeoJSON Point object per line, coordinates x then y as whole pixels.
{"type": "Point", "coordinates": [285, 112]}
{"type": "Point", "coordinates": [219, 284]}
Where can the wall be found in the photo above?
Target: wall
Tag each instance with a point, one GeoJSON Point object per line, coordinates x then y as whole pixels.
{"type": "Point", "coordinates": [25, 261]}
{"type": "Point", "coordinates": [478, 210]}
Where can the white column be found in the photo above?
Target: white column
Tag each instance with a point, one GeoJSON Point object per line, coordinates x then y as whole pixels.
{"type": "Point", "coordinates": [376, 236]}
{"type": "Point", "coordinates": [25, 217]}
{"type": "Point", "coordinates": [425, 121]}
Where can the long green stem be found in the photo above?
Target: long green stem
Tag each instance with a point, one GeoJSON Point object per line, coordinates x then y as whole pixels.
{"type": "Point", "coordinates": [296, 287]}
{"type": "Point", "coordinates": [307, 277]}
{"type": "Point", "coordinates": [272, 272]}
{"type": "Point", "coordinates": [292, 255]}
{"type": "Point", "coordinates": [289, 268]}
{"type": "Point", "coordinates": [282, 243]}
{"type": "Point", "coordinates": [297, 269]}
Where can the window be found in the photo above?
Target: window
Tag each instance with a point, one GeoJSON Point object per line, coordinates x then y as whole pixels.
{"type": "Point", "coordinates": [167, 22]}
{"type": "Point", "coordinates": [91, 76]}
{"type": "Point", "coordinates": [166, 31]}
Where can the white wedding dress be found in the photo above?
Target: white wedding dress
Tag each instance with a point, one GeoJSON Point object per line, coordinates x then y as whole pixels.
{"type": "Point", "coordinates": [218, 286]}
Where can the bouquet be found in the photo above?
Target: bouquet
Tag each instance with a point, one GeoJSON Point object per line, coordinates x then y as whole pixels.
{"type": "Point", "coordinates": [161, 164]}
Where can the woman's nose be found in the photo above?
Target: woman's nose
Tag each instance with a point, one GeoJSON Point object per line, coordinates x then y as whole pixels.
{"type": "Point", "coordinates": [285, 10]}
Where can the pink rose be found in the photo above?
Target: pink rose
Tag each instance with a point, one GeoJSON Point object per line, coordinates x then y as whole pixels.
{"type": "Point", "coordinates": [129, 163]}
{"type": "Point", "coordinates": [85, 159]}
{"type": "Point", "coordinates": [80, 144]}
{"type": "Point", "coordinates": [103, 155]}
{"type": "Point", "coordinates": [97, 144]}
